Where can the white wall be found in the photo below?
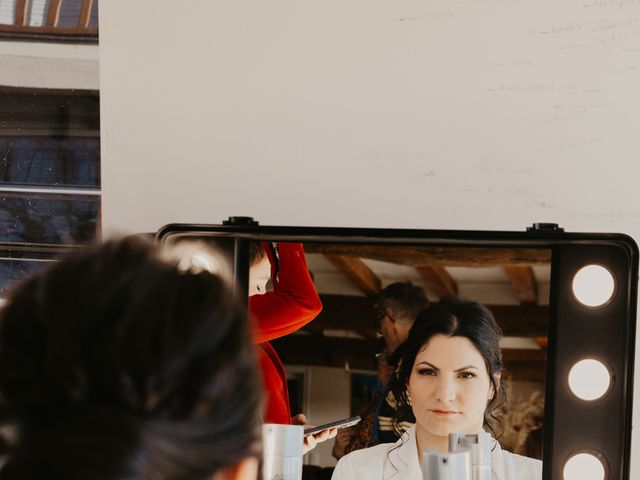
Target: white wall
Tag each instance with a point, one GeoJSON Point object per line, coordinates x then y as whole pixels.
{"type": "Point", "coordinates": [372, 113]}
{"type": "Point", "coordinates": [327, 397]}
{"type": "Point", "coordinates": [48, 65]}
{"type": "Point", "coordinates": [477, 114]}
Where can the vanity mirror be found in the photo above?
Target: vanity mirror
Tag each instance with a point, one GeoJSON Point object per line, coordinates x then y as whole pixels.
{"type": "Point", "coordinates": [565, 301]}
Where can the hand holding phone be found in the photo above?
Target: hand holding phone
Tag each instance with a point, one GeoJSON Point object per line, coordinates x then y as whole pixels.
{"type": "Point", "coordinates": [345, 422]}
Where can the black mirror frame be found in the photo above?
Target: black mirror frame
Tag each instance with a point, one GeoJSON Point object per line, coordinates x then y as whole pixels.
{"type": "Point", "coordinates": [571, 425]}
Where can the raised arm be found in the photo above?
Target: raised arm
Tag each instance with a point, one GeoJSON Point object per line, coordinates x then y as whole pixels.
{"type": "Point", "coordinates": [293, 302]}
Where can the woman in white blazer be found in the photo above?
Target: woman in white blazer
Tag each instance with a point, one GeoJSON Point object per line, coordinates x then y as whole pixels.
{"type": "Point", "coordinates": [450, 377]}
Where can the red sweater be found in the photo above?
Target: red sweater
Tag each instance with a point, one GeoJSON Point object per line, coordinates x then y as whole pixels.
{"type": "Point", "coordinates": [292, 304]}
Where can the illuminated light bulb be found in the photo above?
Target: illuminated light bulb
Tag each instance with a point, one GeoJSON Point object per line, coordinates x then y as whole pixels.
{"type": "Point", "coordinates": [593, 285]}
{"type": "Point", "coordinates": [589, 379]}
{"type": "Point", "coordinates": [583, 466]}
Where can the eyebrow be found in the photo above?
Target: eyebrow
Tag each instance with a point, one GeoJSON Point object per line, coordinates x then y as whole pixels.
{"type": "Point", "coordinates": [468, 367]}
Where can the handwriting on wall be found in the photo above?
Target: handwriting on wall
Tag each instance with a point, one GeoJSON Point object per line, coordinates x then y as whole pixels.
{"type": "Point", "coordinates": [467, 109]}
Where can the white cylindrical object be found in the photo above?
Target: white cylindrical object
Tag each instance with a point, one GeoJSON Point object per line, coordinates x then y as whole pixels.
{"type": "Point", "coordinates": [479, 446]}
{"type": "Point", "coordinates": [282, 451]}
{"type": "Point", "coordinates": [446, 466]}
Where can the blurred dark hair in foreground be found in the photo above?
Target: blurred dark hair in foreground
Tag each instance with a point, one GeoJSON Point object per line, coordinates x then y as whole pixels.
{"type": "Point", "coordinates": [117, 364]}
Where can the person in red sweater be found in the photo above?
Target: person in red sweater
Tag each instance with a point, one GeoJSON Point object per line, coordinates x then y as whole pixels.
{"type": "Point", "coordinates": [291, 304]}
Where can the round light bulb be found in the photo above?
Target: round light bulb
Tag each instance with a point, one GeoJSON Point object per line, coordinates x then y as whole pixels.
{"type": "Point", "coordinates": [589, 379]}
{"type": "Point", "coordinates": [593, 285]}
{"type": "Point", "coordinates": [583, 466]}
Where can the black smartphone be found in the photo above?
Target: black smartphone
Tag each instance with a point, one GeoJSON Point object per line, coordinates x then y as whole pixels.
{"type": "Point", "coordinates": [345, 422]}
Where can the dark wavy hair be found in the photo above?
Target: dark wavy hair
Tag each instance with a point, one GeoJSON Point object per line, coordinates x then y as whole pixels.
{"type": "Point", "coordinates": [454, 318]}
{"type": "Point", "coordinates": [256, 252]}
{"type": "Point", "coordinates": [115, 364]}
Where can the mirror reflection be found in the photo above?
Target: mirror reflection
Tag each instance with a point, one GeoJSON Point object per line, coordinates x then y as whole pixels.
{"type": "Point", "coordinates": [342, 359]}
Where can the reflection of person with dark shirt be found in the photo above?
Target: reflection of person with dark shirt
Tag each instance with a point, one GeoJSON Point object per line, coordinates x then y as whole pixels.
{"type": "Point", "coordinates": [397, 307]}
{"type": "Point", "coordinates": [361, 435]}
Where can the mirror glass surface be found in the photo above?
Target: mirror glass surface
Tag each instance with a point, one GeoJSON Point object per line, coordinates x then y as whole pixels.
{"type": "Point", "coordinates": [331, 362]}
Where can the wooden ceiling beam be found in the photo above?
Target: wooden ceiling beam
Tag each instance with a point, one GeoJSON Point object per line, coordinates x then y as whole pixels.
{"type": "Point", "coordinates": [326, 351]}
{"type": "Point", "coordinates": [521, 320]}
{"type": "Point", "coordinates": [317, 329]}
{"type": "Point", "coordinates": [358, 272]}
{"type": "Point", "coordinates": [344, 312]}
{"type": "Point", "coordinates": [511, 355]}
{"type": "Point", "coordinates": [523, 282]}
{"type": "Point", "coordinates": [525, 371]}
{"type": "Point", "coordinates": [439, 280]}
{"type": "Point", "coordinates": [522, 365]}
{"type": "Point", "coordinates": [415, 256]}
{"type": "Point", "coordinates": [543, 342]}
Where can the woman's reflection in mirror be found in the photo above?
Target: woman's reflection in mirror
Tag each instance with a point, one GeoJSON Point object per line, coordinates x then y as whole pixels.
{"type": "Point", "coordinates": [450, 378]}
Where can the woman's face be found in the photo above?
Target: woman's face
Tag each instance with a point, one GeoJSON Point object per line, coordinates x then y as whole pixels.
{"type": "Point", "coordinates": [259, 275]}
{"type": "Point", "coordinates": [449, 387]}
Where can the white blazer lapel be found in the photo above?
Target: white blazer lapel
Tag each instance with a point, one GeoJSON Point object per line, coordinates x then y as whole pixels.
{"type": "Point", "coordinates": [402, 463]}
{"type": "Point", "coordinates": [497, 461]}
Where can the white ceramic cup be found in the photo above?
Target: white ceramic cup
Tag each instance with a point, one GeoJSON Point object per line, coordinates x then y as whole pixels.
{"type": "Point", "coordinates": [282, 451]}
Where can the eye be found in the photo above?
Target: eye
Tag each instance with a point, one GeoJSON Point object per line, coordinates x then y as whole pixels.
{"type": "Point", "coordinates": [466, 375]}
{"type": "Point", "coordinates": [427, 371]}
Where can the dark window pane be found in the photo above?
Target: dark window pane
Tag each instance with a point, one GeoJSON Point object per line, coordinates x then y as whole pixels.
{"type": "Point", "coordinates": [93, 21]}
{"type": "Point", "coordinates": [45, 161]}
{"type": "Point", "coordinates": [363, 388]}
{"type": "Point", "coordinates": [52, 113]}
{"type": "Point", "coordinates": [12, 270]}
{"type": "Point", "coordinates": [47, 218]}
{"type": "Point", "coordinates": [70, 13]}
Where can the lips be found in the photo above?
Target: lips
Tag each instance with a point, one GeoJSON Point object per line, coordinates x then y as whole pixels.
{"type": "Point", "coordinates": [443, 413]}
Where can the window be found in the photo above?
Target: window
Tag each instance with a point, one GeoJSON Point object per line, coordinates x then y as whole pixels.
{"type": "Point", "coordinates": [71, 20]}
{"type": "Point", "coordinates": [49, 177]}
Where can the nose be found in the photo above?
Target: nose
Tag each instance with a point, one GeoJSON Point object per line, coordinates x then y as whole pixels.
{"type": "Point", "coordinates": [446, 389]}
